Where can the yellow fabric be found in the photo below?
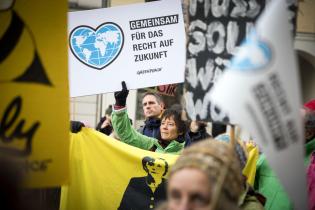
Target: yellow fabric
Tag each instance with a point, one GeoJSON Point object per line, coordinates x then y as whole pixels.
{"type": "Point", "coordinates": [250, 168]}
{"type": "Point", "coordinates": [100, 170]}
{"type": "Point", "coordinates": [34, 101]}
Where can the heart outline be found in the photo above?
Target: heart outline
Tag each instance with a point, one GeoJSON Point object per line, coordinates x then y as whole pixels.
{"type": "Point", "coordinates": [95, 32]}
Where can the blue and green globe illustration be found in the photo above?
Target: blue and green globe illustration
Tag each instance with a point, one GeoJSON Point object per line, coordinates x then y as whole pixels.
{"type": "Point", "coordinates": [253, 55]}
{"type": "Point", "coordinates": [97, 48]}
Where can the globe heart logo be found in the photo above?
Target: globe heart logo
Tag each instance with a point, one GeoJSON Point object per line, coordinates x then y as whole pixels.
{"type": "Point", "coordinates": [253, 55]}
{"type": "Point", "coordinates": [97, 48]}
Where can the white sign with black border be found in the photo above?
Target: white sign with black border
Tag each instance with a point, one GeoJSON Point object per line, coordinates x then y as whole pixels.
{"type": "Point", "coordinates": [142, 44]}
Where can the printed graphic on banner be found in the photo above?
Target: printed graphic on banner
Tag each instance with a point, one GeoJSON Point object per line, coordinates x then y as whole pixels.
{"type": "Point", "coordinates": [149, 189]}
{"type": "Point", "coordinates": [32, 88]}
{"type": "Point", "coordinates": [16, 33]}
{"type": "Point", "coordinates": [97, 48]}
{"type": "Point", "coordinates": [260, 91]}
{"type": "Point", "coordinates": [144, 47]}
{"type": "Point", "coordinates": [127, 177]}
{"type": "Point", "coordinates": [217, 28]}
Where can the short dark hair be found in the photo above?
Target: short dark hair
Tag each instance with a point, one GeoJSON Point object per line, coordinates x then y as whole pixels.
{"type": "Point", "coordinates": [148, 159]}
{"type": "Point", "coordinates": [157, 96]}
{"type": "Point", "coordinates": [176, 115]}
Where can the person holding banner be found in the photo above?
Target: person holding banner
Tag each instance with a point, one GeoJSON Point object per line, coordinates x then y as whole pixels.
{"type": "Point", "coordinates": [153, 108]}
{"type": "Point", "coordinates": [172, 127]}
{"type": "Point", "coordinates": [105, 125]}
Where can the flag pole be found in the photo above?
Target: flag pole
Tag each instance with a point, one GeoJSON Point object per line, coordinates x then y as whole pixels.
{"type": "Point", "coordinates": [232, 136]}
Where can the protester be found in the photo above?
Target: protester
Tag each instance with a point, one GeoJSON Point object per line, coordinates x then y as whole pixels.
{"type": "Point", "coordinates": [309, 120]}
{"type": "Point", "coordinates": [153, 107]}
{"type": "Point", "coordinates": [171, 130]}
{"type": "Point", "coordinates": [205, 170]}
{"type": "Point", "coordinates": [267, 183]}
{"type": "Point", "coordinates": [183, 114]}
{"type": "Point", "coordinates": [105, 125]}
{"type": "Point", "coordinates": [114, 134]}
{"type": "Point", "coordinates": [197, 131]}
{"type": "Point", "coordinates": [108, 111]}
{"type": "Point", "coordinates": [76, 126]}
{"type": "Point", "coordinates": [311, 182]}
{"type": "Point", "coordinates": [217, 129]}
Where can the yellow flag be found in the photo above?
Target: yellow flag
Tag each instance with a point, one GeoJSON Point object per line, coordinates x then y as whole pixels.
{"type": "Point", "coordinates": [108, 174]}
{"type": "Point", "coordinates": [34, 118]}
{"type": "Point", "coordinates": [250, 168]}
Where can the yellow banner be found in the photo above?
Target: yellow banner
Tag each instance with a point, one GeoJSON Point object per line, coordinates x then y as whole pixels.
{"type": "Point", "coordinates": [34, 118]}
{"type": "Point", "coordinates": [108, 174]}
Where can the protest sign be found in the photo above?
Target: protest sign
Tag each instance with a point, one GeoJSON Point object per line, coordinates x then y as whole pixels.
{"type": "Point", "coordinates": [216, 29]}
{"type": "Point", "coordinates": [142, 44]}
{"type": "Point", "coordinates": [34, 117]}
{"type": "Point", "coordinates": [261, 92]}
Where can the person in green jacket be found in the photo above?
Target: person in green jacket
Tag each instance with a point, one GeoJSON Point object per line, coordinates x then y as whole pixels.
{"type": "Point", "coordinates": [268, 184]}
{"type": "Point", "coordinates": [172, 128]}
{"type": "Point", "coordinates": [266, 181]}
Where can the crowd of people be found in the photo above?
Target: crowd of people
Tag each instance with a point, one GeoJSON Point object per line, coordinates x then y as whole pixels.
{"type": "Point", "coordinates": [208, 172]}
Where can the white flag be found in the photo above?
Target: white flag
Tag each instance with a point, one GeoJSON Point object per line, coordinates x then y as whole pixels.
{"type": "Point", "coordinates": [261, 92]}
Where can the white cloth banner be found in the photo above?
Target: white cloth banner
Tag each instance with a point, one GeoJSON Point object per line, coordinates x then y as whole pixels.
{"type": "Point", "coordinates": [261, 92]}
{"type": "Point", "coordinates": [142, 44]}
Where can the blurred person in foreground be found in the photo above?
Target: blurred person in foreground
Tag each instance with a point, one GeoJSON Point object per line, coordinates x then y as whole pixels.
{"type": "Point", "coordinates": [207, 174]}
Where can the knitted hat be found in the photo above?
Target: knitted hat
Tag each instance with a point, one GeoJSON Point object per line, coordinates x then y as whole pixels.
{"type": "Point", "coordinates": [211, 157]}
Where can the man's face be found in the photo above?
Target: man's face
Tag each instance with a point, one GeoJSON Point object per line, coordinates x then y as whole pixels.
{"type": "Point", "coordinates": [151, 107]}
